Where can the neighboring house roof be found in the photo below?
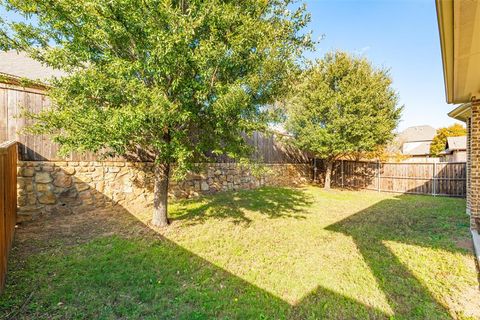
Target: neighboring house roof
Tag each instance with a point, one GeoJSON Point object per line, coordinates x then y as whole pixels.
{"type": "Point", "coordinates": [19, 65]}
{"type": "Point", "coordinates": [455, 144]}
{"type": "Point", "coordinates": [417, 133]}
{"type": "Point", "coordinates": [416, 148]}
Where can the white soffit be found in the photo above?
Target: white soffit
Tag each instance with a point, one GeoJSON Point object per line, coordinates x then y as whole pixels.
{"type": "Point", "coordinates": [466, 49]}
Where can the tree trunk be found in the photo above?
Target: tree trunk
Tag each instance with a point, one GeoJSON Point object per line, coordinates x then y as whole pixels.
{"type": "Point", "coordinates": [160, 195]}
{"type": "Point", "coordinates": [328, 174]}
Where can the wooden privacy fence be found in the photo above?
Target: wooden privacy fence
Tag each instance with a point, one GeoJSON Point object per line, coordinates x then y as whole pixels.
{"type": "Point", "coordinates": [14, 99]}
{"type": "Point", "coordinates": [443, 178]}
{"type": "Point", "coordinates": [8, 202]}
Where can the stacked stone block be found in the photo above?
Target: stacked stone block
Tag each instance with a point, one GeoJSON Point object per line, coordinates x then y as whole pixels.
{"type": "Point", "coordinates": [69, 187]}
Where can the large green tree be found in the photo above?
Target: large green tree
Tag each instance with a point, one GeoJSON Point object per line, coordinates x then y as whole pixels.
{"type": "Point", "coordinates": [171, 80]}
{"type": "Point", "coordinates": [342, 106]}
{"type": "Point", "coordinates": [440, 140]}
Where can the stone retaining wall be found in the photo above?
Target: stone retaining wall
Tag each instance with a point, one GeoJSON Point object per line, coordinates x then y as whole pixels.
{"type": "Point", "coordinates": [65, 187]}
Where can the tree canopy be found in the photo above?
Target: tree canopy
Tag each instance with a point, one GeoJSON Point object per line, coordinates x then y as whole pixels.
{"type": "Point", "coordinates": [342, 105]}
{"type": "Point", "coordinates": [440, 140]}
{"type": "Point", "coordinates": [168, 80]}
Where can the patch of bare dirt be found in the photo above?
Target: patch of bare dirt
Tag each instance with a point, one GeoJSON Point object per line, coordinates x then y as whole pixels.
{"type": "Point", "coordinates": [464, 243]}
{"type": "Point", "coordinates": [68, 230]}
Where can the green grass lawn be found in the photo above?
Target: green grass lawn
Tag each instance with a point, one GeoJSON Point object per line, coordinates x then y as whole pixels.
{"type": "Point", "coordinates": [272, 253]}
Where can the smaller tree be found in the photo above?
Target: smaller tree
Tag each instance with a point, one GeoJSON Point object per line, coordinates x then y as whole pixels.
{"type": "Point", "coordinates": [342, 106]}
{"type": "Point", "coordinates": [440, 139]}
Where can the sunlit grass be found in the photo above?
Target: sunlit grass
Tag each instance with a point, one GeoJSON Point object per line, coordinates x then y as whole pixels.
{"type": "Point", "coordinates": [273, 253]}
{"type": "Point", "coordinates": [442, 272]}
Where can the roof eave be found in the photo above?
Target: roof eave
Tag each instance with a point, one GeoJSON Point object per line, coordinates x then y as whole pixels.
{"type": "Point", "coordinates": [462, 112]}
{"type": "Point", "coordinates": [445, 28]}
{"type": "Point", "coordinates": [459, 26]}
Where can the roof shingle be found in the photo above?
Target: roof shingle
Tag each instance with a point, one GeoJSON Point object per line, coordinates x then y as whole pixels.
{"type": "Point", "coordinates": [19, 65]}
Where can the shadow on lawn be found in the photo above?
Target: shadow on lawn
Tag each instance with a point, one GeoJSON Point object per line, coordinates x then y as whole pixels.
{"type": "Point", "coordinates": [268, 201]}
{"type": "Point", "coordinates": [411, 220]}
{"type": "Point", "coordinates": [108, 264]}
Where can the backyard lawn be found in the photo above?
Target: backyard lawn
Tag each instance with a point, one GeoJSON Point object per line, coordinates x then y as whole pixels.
{"type": "Point", "coordinates": [272, 253]}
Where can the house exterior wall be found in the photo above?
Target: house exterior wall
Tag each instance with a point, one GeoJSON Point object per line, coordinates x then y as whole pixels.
{"type": "Point", "coordinates": [473, 144]}
{"type": "Point", "coordinates": [456, 156]}
{"type": "Point", "coordinates": [469, 163]}
{"type": "Point", "coordinates": [459, 156]}
{"type": "Point", "coordinates": [421, 159]}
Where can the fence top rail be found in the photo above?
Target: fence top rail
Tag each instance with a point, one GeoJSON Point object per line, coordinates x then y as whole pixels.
{"type": "Point", "coordinates": [459, 162]}
{"type": "Point", "coordinates": [4, 146]}
{"type": "Point", "coordinates": [407, 163]}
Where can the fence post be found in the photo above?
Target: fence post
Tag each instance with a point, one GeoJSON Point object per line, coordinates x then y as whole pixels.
{"type": "Point", "coordinates": [434, 191]}
{"type": "Point", "coordinates": [378, 176]}
{"type": "Point", "coordinates": [342, 172]}
{"type": "Point", "coordinates": [8, 202]}
{"type": "Point", "coordinates": [314, 170]}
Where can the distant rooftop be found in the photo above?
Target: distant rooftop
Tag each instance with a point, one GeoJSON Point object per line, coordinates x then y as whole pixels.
{"type": "Point", "coordinates": [19, 65]}
{"type": "Point", "coordinates": [417, 133]}
{"type": "Point", "coordinates": [416, 148]}
{"type": "Point", "coordinates": [456, 143]}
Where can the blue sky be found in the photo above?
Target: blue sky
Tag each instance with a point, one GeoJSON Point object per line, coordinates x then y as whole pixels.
{"type": "Point", "coordinates": [401, 35]}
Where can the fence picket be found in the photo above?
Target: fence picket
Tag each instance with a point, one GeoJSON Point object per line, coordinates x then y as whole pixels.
{"type": "Point", "coordinates": [444, 178]}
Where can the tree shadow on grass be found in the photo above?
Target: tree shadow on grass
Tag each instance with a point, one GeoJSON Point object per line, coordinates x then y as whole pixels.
{"type": "Point", "coordinates": [108, 264]}
{"type": "Point", "coordinates": [413, 220]}
{"type": "Point", "coordinates": [269, 201]}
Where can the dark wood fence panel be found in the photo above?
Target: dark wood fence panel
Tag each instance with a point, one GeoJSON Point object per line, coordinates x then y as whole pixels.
{"type": "Point", "coordinates": [14, 99]}
{"type": "Point", "coordinates": [451, 179]}
{"type": "Point", "coordinates": [444, 178]}
{"type": "Point", "coordinates": [8, 203]}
